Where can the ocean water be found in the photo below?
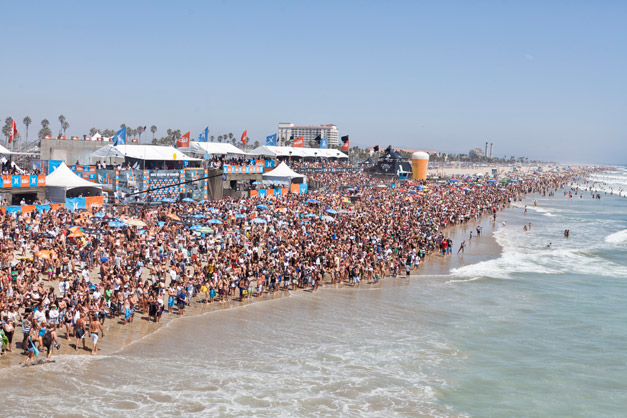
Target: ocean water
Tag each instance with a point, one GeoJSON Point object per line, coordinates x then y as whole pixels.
{"type": "Point", "coordinates": [534, 331]}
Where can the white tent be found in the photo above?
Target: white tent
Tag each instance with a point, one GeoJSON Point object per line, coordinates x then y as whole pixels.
{"type": "Point", "coordinates": [4, 151]}
{"type": "Point", "coordinates": [277, 151]}
{"type": "Point", "coordinates": [62, 176]}
{"type": "Point", "coordinates": [284, 174]}
{"type": "Point", "coordinates": [212, 148]}
{"type": "Point", "coordinates": [63, 179]}
{"type": "Point", "coordinates": [110, 153]}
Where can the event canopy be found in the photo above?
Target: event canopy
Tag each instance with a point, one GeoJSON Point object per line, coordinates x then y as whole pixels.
{"type": "Point", "coordinates": [62, 183]}
{"type": "Point", "coordinates": [4, 151]}
{"type": "Point", "coordinates": [62, 176]}
{"type": "Point", "coordinates": [283, 173]}
{"type": "Point", "coordinates": [140, 152]}
{"type": "Point", "coordinates": [212, 148]}
{"type": "Point", "coordinates": [393, 155]}
{"type": "Point", "coordinates": [277, 151]}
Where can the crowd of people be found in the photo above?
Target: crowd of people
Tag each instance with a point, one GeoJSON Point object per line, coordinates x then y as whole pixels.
{"type": "Point", "coordinates": [69, 275]}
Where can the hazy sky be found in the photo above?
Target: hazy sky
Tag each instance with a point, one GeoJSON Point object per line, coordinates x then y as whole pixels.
{"type": "Point", "coordinates": [542, 79]}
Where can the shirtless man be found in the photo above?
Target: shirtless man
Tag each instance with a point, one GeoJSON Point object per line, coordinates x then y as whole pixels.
{"type": "Point", "coordinates": [94, 327]}
{"type": "Point", "coordinates": [171, 298]}
{"type": "Point", "coordinates": [80, 332]}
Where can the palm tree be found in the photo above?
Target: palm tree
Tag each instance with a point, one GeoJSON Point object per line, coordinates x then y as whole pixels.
{"type": "Point", "coordinates": [256, 144]}
{"type": "Point", "coordinates": [213, 138]}
{"type": "Point", "coordinates": [45, 130]}
{"type": "Point", "coordinates": [231, 137]}
{"type": "Point", "coordinates": [27, 121]}
{"type": "Point", "coordinates": [219, 138]}
{"type": "Point", "coordinates": [61, 122]}
{"type": "Point", "coordinates": [153, 129]}
{"type": "Point", "coordinates": [93, 131]}
{"type": "Point", "coordinates": [140, 130]}
{"type": "Point", "coordinates": [6, 129]}
{"type": "Point", "coordinates": [65, 125]}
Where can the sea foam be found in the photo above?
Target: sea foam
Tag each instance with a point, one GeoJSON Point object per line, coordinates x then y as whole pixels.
{"type": "Point", "coordinates": [619, 237]}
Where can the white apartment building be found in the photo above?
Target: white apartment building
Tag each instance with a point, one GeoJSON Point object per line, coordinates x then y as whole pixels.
{"type": "Point", "coordinates": [309, 133]}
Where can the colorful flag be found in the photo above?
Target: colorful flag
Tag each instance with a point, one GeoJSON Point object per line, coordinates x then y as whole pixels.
{"type": "Point", "coordinates": [244, 137]}
{"type": "Point", "coordinates": [298, 142]}
{"type": "Point", "coordinates": [318, 139]}
{"type": "Point", "coordinates": [13, 133]}
{"type": "Point", "coordinates": [183, 142]}
{"type": "Point", "coordinates": [376, 148]}
{"type": "Point", "coordinates": [271, 139]}
{"type": "Point", "coordinates": [204, 135]}
{"type": "Point", "coordinates": [345, 143]}
{"type": "Point", "coordinates": [324, 143]}
{"type": "Point", "coordinates": [120, 137]}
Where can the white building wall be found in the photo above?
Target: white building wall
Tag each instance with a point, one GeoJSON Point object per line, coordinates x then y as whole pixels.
{"type": "Point", "coordinates": [309, 133]}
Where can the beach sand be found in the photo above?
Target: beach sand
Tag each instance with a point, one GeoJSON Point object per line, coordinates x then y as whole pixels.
{"type": "Point", "coordinates": [118, 336]}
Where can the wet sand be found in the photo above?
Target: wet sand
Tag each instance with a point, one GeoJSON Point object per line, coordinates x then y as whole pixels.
{"type": "Point", "coordinates": [118, 336]}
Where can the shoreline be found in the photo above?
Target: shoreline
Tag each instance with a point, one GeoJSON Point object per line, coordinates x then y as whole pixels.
{"type": "Point", "coordinates": [118, 336]}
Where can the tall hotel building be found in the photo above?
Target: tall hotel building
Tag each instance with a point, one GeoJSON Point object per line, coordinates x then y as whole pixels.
{"type": "Point", "coordinates": [309, 133]}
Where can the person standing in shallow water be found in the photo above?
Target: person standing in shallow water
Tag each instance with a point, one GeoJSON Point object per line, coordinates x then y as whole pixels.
{"type": "Point", "coordinates": [94, 328]}
{"type": "Point", "coordinates": [80, 332]}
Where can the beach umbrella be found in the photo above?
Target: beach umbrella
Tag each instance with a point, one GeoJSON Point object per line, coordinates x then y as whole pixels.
{"type": "Point", "coordinates": [313, 201]}
{"type": "Point", "coordinates": [99, 214]}
{"type": "Point", "coordinates": [188, 200]}
{"type": "Point", "coordinates": [76, 229]}
{"type": "Point", "coordinates": [167, 200]}
{"type": "Point", "coordinates": [413, 192]}
{"type": "Point", "coordinates": [47, 254]}
{"type": "Point", "coordinates": [117, 224]}
{"type": "Point", "coordinates": [327, 218]}
{"type": "Point", "coordinates": [173, 217]}
{"type": "Point", "coordinates": [198, 216]}
{"type": "Point", "coordinates": [240, 216]}
{"type": "Point", "coordinates": [311, 215]}
{"type": "Point", "coordinates": [258, 221]}
{"type": "Point", "coordinates": [215, 221]}
{"type": "Point", "coordinates": [204, 230]}
{"type": "Point", "coordinates": [195, 227]}
{"type": "Point", "coordinates": [370, 198]}
{"type": "Point", "coordinates": [262, 207]}
{"type": "Point", "coordinates": [45, 235]}
{"type": "Point", "coordinates": [160, 223]}
{"type": "Point", "coordinates": [103, 259]}
{"type": "Point", "coordinates": [256, 182]}
{"type": "Point", "coordinates": [332, 211]}
{"type": "Point", "coordinates": [135, 222]}
{"type": "Point", "coordinates": [282, 210]}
